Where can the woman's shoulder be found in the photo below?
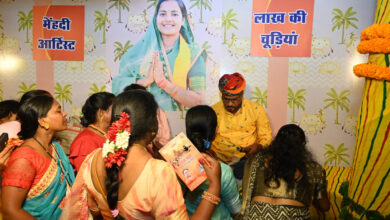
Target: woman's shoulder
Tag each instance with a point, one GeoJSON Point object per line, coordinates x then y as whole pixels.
{"type": "Point", "coordinates": [163, 172]}
{"type": "Point", "coordinates": [159, 165]}
{"type": "Point", "coordinates": [86, 134]}
{"type": "Point", "coordinates": [225, 168]}
{"type": "Point", "coordinates": [85, 137]}
{"type": "Point", "coordinates": [314, 169]}
{"type": "Point", "coordinates": [226, 173]}
{"type": "Point", "coordinates": [24, 151]}
{"type": "Point", "coordinates": [25, 154]}
{"type": "Point", "coordinates": [313, 165]}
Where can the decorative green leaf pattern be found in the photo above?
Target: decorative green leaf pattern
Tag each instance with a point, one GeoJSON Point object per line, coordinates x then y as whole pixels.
{"type": "Point", "coordinates": [334, 156]}
{"type": "Point", "coordinates": [119, 5]}
{"type": "Point", "coordinates": [25, 23]}
{"type": "Point", "coordinates": [337, 101]}
{"type": "Point", "coordinates": [96, 89]}
{"type": "Point", "coordinates": [343, 21]}
{"type": "Point", "coordinates": [201, 4]}
{"type": "Point", "coordinates": [25, 88]}
{"type": "Point", "coordinates": [1, 22]}
{"type": "Point", "coordinates": [296, 100]}
{"type": "Point", "coordinates": [101, 22]}
{"type": "Point", "coordinates": [259, 97]}
{"type": "Point", "coordinates": [63, 94]}
{"type": "Point", "coordinates": [121, 49]}
{"type": "Point", "coordinates": [228, 21]}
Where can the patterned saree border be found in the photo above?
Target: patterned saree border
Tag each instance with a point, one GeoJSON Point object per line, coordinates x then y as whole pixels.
{"type": "Point", "coordinates": [45, 181]}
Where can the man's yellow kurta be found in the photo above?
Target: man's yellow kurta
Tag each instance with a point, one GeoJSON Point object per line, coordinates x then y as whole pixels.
{"type": "Point", "coordinates": [247, 126]}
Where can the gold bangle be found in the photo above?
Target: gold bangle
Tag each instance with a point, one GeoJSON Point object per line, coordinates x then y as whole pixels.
{"type": "Point", "coordinates": [210, 200]}
{"type": "Point", "coordinates": [209, 196]}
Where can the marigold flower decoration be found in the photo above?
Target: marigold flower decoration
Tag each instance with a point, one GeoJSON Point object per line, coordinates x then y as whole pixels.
{"type": "Point", "coordinates": [374, 40]}
{"type": "Point", "coordinates": [15, 141]}
{"type": "Point", "coordinates": [115, 147]}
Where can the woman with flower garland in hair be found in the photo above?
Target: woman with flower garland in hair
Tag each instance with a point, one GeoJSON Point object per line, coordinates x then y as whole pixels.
{"type": "Point", "coordinates": [96, 120]}
{"type": "Point", "coordinates": [282, 181]}
{"type": "Point", "coordinates": [38, 174]}
{"type": "Point", "coordinates": [123, 181]}
{"type": "Point", "coordinates": [201, 124]}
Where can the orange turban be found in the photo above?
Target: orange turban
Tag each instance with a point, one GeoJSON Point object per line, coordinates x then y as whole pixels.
{"type": "Point", "coordinates": [231, 84]}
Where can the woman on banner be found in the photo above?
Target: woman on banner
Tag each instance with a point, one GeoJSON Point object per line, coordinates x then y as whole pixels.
{"type": "Point", "coordinates": [124, 181]}
{"type": "Point", "coordinates": [38, 174]}
{"type": "Point", "coordinates": [166, 61]}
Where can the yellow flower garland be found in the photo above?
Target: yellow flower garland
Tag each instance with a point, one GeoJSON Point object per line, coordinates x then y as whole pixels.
{"type": "Point", "coordinates": [372, 71]}
{"type": "Point", "coordinates": [376, 31]}
{"type": "Point", "coordinates": [377, 45]}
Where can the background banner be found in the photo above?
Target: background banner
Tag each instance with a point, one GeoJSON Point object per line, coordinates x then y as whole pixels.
{"type": "Point", "coordinates": [58, 32]}
{"type": "Point", "coordinates": [282, 28]}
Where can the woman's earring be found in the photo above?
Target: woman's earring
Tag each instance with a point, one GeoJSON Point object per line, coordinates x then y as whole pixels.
{"type": "Point", "coordinates": [46, 126]}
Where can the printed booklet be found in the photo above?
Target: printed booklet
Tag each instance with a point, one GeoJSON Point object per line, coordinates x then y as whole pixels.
{"type": "Point", "coordinates": [184, 157]}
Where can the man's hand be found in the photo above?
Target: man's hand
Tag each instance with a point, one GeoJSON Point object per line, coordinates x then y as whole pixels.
{"type": "Point", "coordinates": [251, 149]}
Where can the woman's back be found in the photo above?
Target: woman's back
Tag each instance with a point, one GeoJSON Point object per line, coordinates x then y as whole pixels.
{"type": "Point", "coordinates": [302, 191]}
{"type": "Point", "coordinates": [149, 189]}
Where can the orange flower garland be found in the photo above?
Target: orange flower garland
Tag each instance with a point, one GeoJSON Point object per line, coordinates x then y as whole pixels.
{"type": "Point", "coordinates": [377, 45]}
{"type": "Point", "coordinates": [371, 71]}
{"type": "Point", "coordinates": [376, 31]}
{"type": "Point", "coordinates": [374, 40]}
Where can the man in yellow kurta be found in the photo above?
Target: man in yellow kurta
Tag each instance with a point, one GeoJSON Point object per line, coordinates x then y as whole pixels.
{"type": "Point", "coordinates": [243, 126]}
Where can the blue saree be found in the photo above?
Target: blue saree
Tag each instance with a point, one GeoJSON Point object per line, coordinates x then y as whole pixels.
{"type": "Point", "coordinates": [44, 200]}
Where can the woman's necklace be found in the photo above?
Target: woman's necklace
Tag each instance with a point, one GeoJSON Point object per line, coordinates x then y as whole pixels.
{"type": "Point", "coordinates": [61, 166]}
{"type": "Point", "coordinates": [40, 144]}
{"type": "Point", "coordinates": [100, 131]}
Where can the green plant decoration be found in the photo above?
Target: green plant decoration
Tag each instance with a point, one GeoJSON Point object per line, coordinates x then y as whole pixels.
{"type": "Point", "coordinates": [334, 156]}
{"type": "Point", "coordinates": [120, 49]}
{"type": "Point", "coordinates": [1, 22]}
{"type": "Point", "coordinates": [119, 5]}
{"type": "Point", "coordinates": [63, 94]}
{"type": "Point", "coordinates": [343, 21]}
{"type": "Point", "coordinates": [101, 22]}
{"type": "Point", "coordinates": [337, 101]}
{"type": "Point", "coordinates": [228, 21]}
{"type": "Point", "coordinates": [201, 4]}
{"type": "Point", "coordinates": [296, 100]}
{"type": "Point", "coordinates": [96, 89]}
{"type": "Point", "coordinates": [260, 97]}
{"type": "Point", "coordinates": [25, 23]}
{"type": "Point", "coordinates": [23, 88]}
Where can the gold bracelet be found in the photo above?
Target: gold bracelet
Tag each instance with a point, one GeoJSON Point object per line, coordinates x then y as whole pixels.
{"type": "Point", "coordinates": [210, 200]}
{"type": "Point", "coordinates": [213, 196]}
